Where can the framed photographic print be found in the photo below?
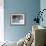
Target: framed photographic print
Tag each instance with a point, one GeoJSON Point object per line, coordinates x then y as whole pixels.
{"type": "Point", "coordinates": [17, 19]}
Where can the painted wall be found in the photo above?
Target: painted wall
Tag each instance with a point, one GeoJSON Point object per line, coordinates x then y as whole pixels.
{"type": "Point", "coordinates": [1, 21]}
{"type": "Point", "coordinates": [26, 7]}
{"type": "Point", "coordinates": [43, 6]}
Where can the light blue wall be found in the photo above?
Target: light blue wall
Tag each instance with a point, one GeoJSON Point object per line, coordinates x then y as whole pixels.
{"type": "Point", "coordinates": [43, 6]}
{"type": "Point", "coordinates": [28, 8]}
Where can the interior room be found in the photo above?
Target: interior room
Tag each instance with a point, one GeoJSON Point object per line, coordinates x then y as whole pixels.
{"type": "Point", "coordinates": [23, 23]}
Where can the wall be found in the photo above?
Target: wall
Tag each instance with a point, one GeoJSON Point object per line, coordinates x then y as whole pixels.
{"type": "Point", "coordinates": [43, 6]}
{"type": "Point", "coordinates": [1, 21]}
{"type": "Point", "coordinates": [28, 8]}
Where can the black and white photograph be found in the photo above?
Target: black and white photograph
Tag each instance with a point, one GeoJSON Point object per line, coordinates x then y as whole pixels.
{"type": "Point", "coordinates": [17, 19]}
